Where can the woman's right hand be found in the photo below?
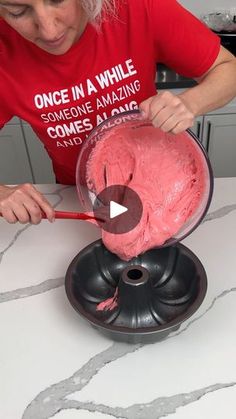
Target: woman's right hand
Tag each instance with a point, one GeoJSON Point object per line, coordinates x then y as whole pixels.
{"type": "Point", "coordinates": [25, 204]}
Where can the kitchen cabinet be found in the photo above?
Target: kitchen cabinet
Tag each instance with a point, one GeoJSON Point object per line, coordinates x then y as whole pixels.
{"type": "Point", "coordinates": [39, 160]}
{"type": "Point", "coordinates": [22, 156]}
{"type": "Point", "coordinates": [217, 132]}
{"type": "Point", "coordinates": [219, 139]}
{"type": "Point", "coordinates": [15, 165]}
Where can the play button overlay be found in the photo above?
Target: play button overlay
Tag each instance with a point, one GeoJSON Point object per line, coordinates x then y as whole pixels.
{"type": "Point", "coordinates": [118, 209]}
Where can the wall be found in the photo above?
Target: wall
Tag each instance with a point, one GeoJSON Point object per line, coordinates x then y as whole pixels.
{"type": "Point", "coordinates": [199, 7]}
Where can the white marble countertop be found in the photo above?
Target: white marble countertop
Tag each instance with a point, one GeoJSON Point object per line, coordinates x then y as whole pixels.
{"type": "Point", "coordinates": [54, 364]}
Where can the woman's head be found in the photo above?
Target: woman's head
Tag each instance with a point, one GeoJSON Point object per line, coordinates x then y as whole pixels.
{"type": "Point", "coordinates": [52, 25]}
{"type": "Point", "coordinates": [93, 8]}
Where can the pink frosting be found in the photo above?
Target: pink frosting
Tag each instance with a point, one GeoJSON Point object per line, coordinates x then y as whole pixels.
{"type": "Point", "coordinates": [167, 171]}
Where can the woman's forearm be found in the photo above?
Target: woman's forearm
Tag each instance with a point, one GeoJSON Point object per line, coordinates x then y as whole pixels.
{"type": "Point", "coordinates": [214, 90]}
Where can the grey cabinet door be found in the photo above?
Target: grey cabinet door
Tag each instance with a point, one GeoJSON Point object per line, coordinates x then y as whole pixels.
{"type": "Point", "coordinates": [219, 138]}
{"type": "Point", "coordinates": [40, 162]}
{"type": "Point", "coordinates": [14, 162]}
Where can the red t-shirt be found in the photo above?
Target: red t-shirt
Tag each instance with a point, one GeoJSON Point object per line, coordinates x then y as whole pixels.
{"type": "Point", "coordinates": [108, 71]}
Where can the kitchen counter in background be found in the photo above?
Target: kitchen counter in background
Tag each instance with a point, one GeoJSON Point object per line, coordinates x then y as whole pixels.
{"type": "Point", "coordinates": [55, 365]}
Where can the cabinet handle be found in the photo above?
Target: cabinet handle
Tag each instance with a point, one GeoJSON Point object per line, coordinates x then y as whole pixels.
{"type": "Point", "coordinates": [208, 135]}
{"type": "Point", "coordinates": [198, 129]}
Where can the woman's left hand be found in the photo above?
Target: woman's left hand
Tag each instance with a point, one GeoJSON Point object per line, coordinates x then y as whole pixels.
{"type": "Point", "coordinates": [168, 112]}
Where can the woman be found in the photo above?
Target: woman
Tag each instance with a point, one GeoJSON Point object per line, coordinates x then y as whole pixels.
{"type": "Point", "coordinates": [66, 65]}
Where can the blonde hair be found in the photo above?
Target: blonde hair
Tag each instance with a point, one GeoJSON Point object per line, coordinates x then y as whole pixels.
{"type": "Point", "coordinates": [94, 8]}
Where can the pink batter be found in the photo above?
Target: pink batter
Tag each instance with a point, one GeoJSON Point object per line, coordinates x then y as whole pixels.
{"type": "Point", "coordinates": [167, 171]}
{"type": "Point", "coordinates": [109, 303]}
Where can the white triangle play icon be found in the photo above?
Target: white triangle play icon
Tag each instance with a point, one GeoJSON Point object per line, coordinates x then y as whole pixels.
{"type": "Point", "coordinates": [116, 209]}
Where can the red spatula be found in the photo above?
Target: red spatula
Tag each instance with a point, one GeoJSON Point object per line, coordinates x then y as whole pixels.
{"type": "Point", "coordinates": [72, 215]}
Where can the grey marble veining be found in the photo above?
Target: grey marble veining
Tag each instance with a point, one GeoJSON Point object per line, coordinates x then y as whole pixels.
{"type": "Point", "coordinates": [195, 319]}
{"type": "Point", "coordinates": [156, 409]}
{"type": "Point", "coordinates": [220, 213]}
{"type": "Point", "coordinates": [27, 226]}
{"type": "Point", "coordinates": [12, 242]}
{"type": "Point", "coordinates": [46, 285]}
{"type": "Point", "coordinates": [53, 399]}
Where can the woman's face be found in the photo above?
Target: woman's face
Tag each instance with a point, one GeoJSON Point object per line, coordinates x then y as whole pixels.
{"type": "Point", "coordinates": [52, 25]}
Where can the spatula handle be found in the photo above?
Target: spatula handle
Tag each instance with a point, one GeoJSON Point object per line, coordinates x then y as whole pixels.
{"type": "Point", "coordinates": [71, 215]}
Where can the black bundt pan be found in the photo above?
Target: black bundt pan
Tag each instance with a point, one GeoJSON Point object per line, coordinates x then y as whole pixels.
{"type": "Point", "coordinates": [157, 291]}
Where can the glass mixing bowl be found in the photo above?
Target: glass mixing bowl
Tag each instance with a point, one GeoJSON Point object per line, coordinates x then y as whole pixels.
{"type": "Point", "coordinates": [134, 120]}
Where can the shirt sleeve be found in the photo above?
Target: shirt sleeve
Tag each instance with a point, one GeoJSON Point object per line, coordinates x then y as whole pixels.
{"type": "Point", "coordinates": [182, 42]}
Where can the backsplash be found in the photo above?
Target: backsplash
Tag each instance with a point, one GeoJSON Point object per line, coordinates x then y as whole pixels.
{"type": "Point", "coordinates": [199, 7]}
